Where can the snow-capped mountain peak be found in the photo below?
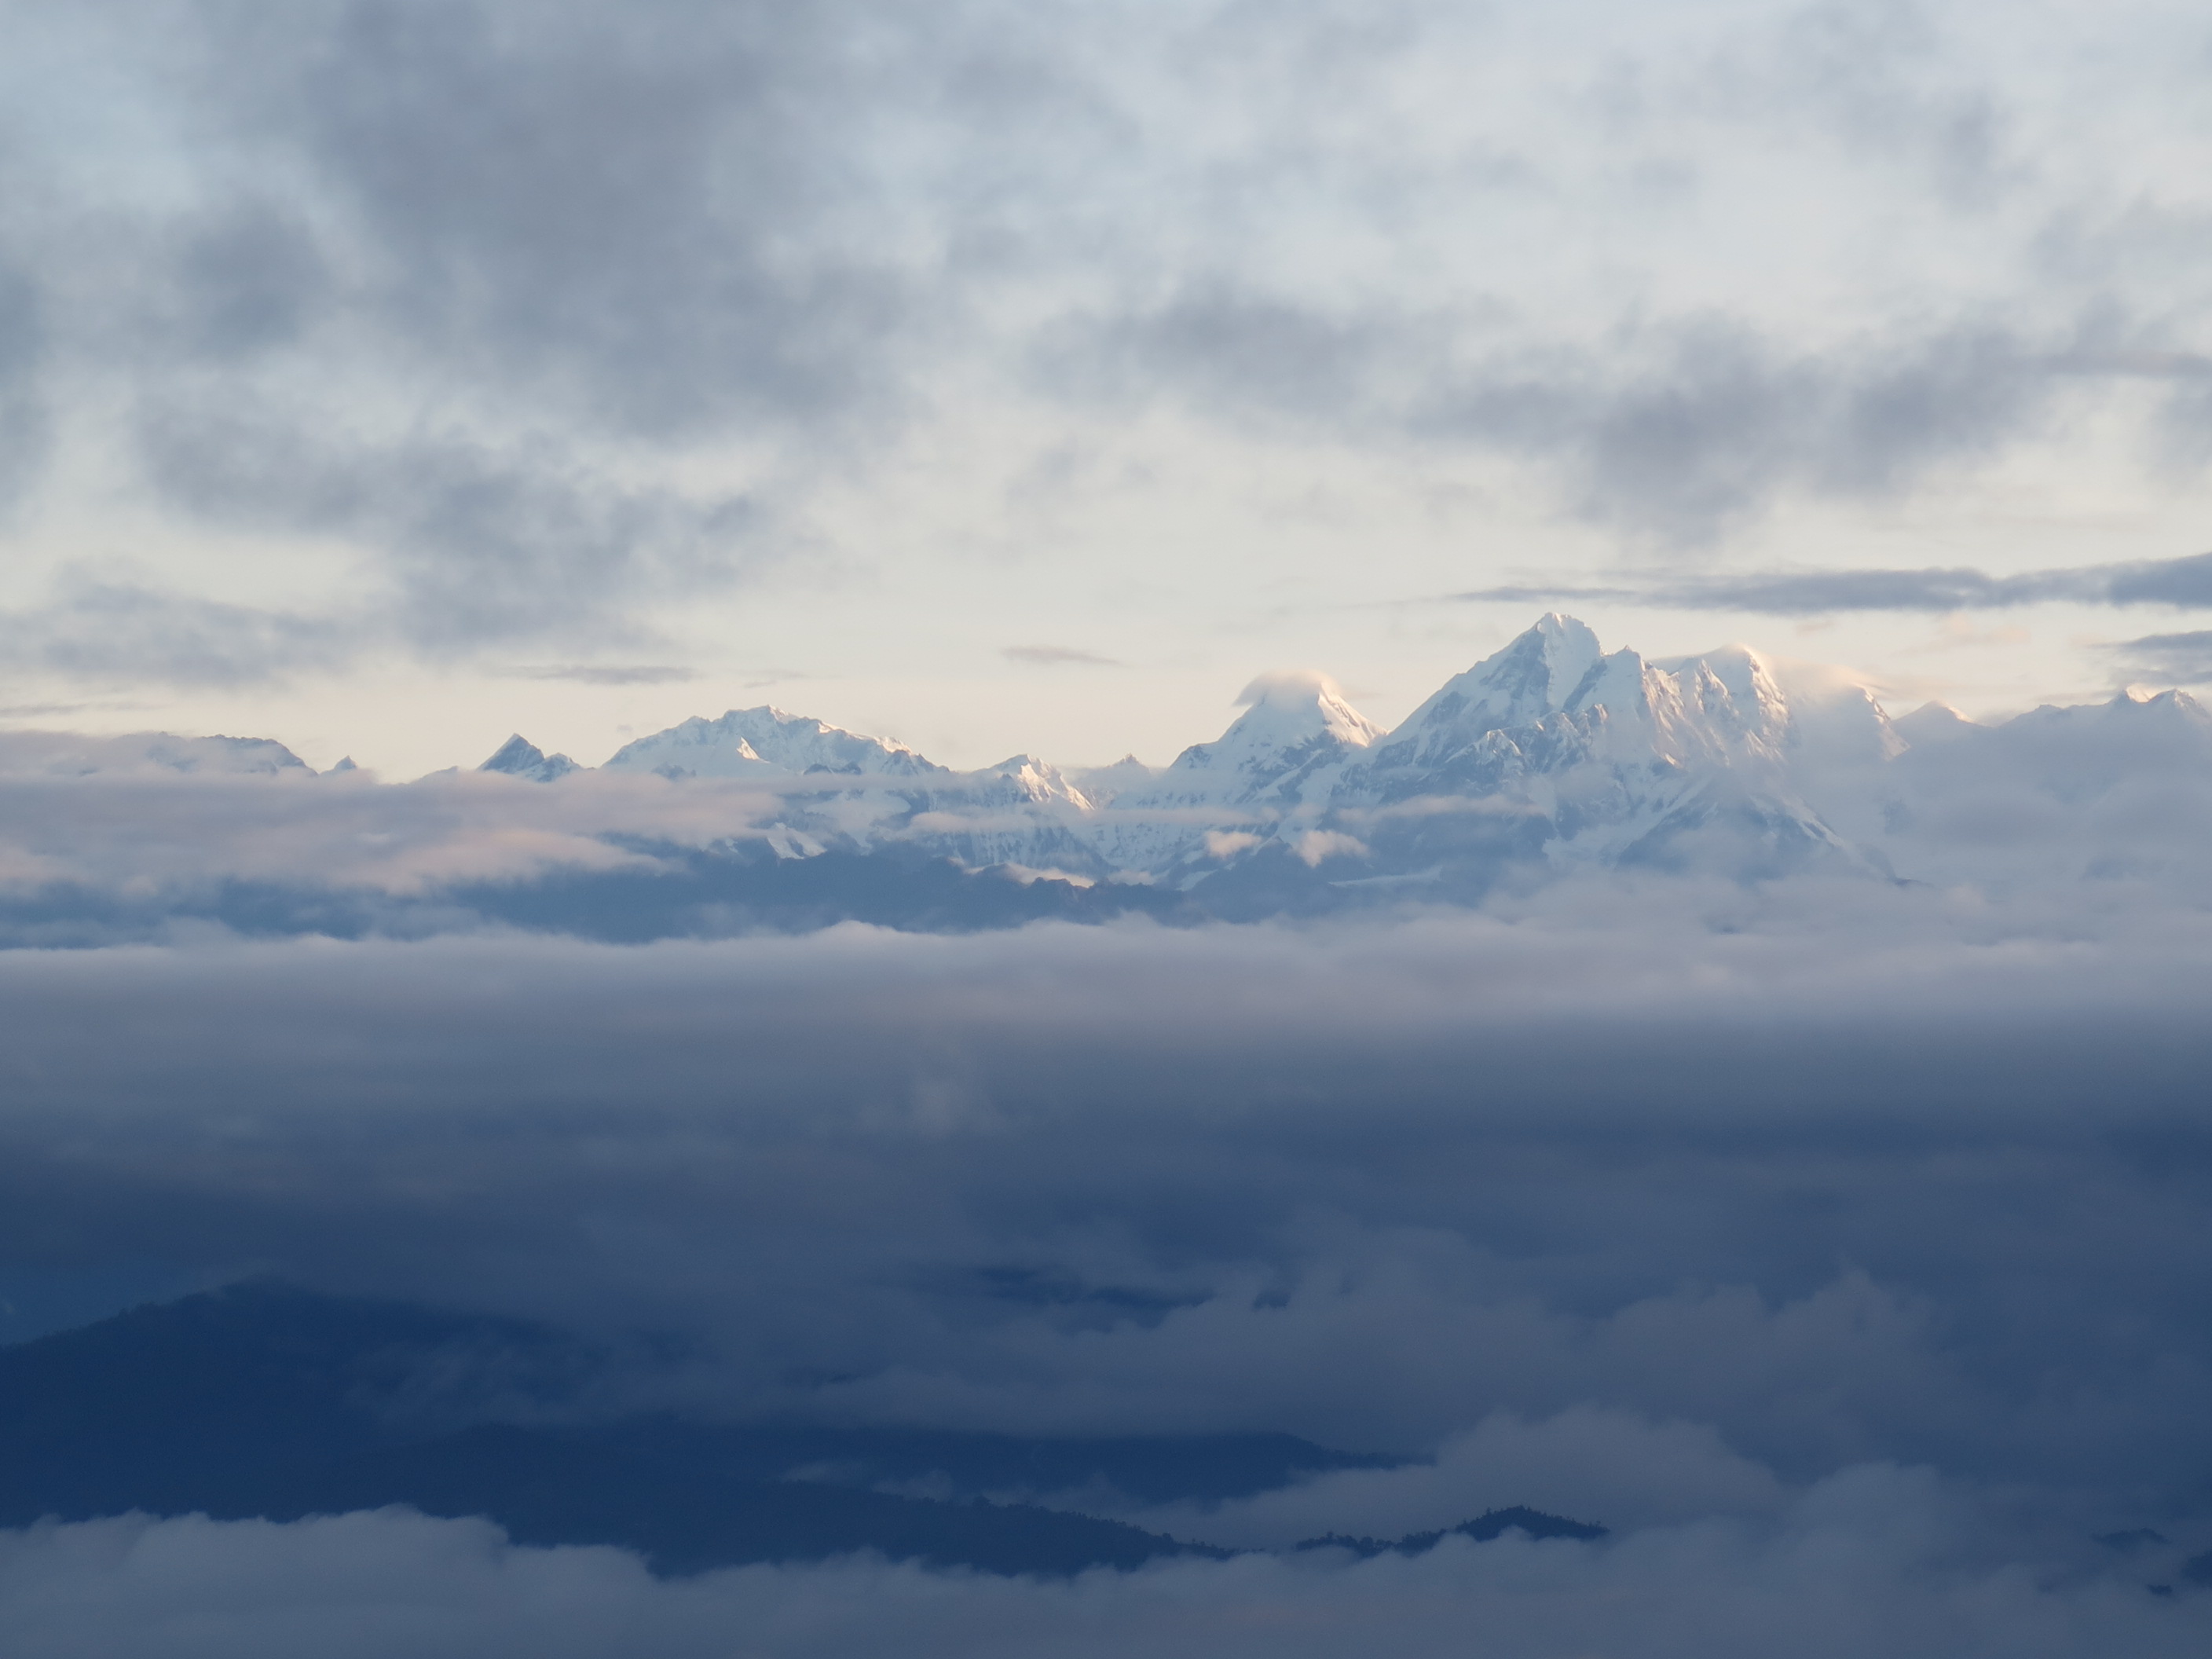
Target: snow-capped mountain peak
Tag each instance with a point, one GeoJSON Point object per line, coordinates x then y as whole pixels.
{"type": "Point", "coordinates": [756, 742]}
{"type": "Point", "coordinates": [1283, 714]}
{"type": "Point", "coordinates": [1294, 728]}
{"type": "Point", "coordinates": [519, 758]}
{"type": "Point", "coordinates": [1534, 676]}
{"type": "Point", "coordinates": [1038, 782]}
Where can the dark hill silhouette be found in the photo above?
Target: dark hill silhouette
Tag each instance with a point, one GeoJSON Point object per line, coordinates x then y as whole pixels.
{"type": "Point", "coordinates": [262, 1400]}
{"type": "Point", "coordinates": [1492, 1523]}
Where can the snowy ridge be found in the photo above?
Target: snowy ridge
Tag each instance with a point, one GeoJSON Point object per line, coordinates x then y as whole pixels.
{"type": "Point", "coordinates": [68, 754]}
{"type": "Point", "coordinates": [759, 742]}
{"type": "Point", "coordinates": [519, 758]}
{"type": "Point", "coordinates": [1550, 754]}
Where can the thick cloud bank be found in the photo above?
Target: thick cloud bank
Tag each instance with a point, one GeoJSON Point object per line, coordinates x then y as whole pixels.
{"type": "Point", "coordinates": [1840, 1248]}
{"type": "Point", "coordinates": [1876, 1561]}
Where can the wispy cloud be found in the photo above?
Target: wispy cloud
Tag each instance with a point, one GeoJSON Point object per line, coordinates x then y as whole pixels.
{"type": "Point", "coordinates": [1049, 656]}
{"type": "Point", "coordinates": [2182, 658]}
{"type": "Point", "coordinates": [598, 674]}
{"type": "Point", "coordinates": [2183, 583]}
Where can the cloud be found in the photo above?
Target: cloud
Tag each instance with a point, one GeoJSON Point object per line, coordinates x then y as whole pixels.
{"type": "Point", "coordinates": [2180, 658]}
{"type": "Point", "coordinates": [1052, 656]}
{"type": "Point", "coordinates": [624, 213]}
{"type": "Point", "coordinates": [1681, 1205]}
{"type": "Point", "coordinates": [423, 272]}
{"type": "Point", "coordinates": [1879, 1559]}
{"type": "Point", "coordinates": [545, 321]}
{"type": "Point", "coordinates": [25, 422]}
{"type": "Point", "coordinates": [604, 674]}
{"type": "Point", "coordinates": [479, 547]}
{"type": "Point", "coordinates": [1914, 1196]}
{"type": "Point", "coordinates": [1583, 1461]}
{"type": "Point", "coordinates": [102, 629]}
{"type": "Point", "coordinates": [1677, 431]}
{"type": "Point", "coordinates": [2183, 583]}
{"type": "Point", "coordinates": [1316, 845]}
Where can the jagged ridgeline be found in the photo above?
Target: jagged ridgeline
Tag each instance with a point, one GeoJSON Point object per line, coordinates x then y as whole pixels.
{"type": "Point", "coordinates": [1550, 741]}
{"type": "Point", "coordinates": [1551, 757]}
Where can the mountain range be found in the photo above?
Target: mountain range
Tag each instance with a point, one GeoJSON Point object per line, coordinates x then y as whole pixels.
{"type": "Point", "coordinates": [1551, 758]}
{"type": "Point", "coordinates": [1550, 754]}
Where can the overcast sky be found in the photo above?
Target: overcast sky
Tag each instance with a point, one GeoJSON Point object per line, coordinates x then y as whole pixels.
{"type": "Point", "coordinates": [1004, 375]}
{"type": "Point", "coordinates": [384, 377]}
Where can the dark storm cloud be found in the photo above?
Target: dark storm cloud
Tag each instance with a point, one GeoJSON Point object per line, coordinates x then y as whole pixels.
{"type": "Point", "coordinates": [425, 259]}
{"type": "Point", "coordinates": [103, 629]}
{"type": "Point", "coordinates": [1872, 77]}
{"type": "Point", "coordinates": [410, 245]}
{"type": "Point", "coordinates": [627, 210]}
{"type": "Point", "coordinates": [23, 410]}
{"type": "Point", "coordinates": [480, 546]}
{"type": "Point", "coordinates": [244, 281]}
{"type": "Point", "coordinates": [478, 549]}
{"type": "Point", "coordinates": [2183, 583]}
{"type": "Point", "coordinates": [1673, 432]}
{"type": "Point", "coordinates": [2180, 659]}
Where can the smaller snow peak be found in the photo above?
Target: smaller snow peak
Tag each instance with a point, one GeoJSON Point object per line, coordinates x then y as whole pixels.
{"type": "Point", "coordinates": [1305, 704]}
{"type": "Point", "coordinates": [346, 764]}
{"type": "Point", "coordinates": [1029, 770]}
{"type": "Point", "coordinates": [1934, 723]}
{"type": "Point", "coordinates": [1038, 782]}
{"type": "Point", "coordinates": [1102, 785]}
{"type": "Point", "coordinates": [519, 758]}
{"type": "Point", "coordinates": [745, 742]}
{"type": "Point", "coordinates": [1745, 675]}
{"type": "Point", "coordinates": [2172, 704]}
{"type": "Point", "coordinates": [517, 752]}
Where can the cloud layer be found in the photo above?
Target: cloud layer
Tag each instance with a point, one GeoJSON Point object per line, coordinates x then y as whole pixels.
{"type": "Point", "coordinates": [1866, 1563]}
{"type": "Point", "coordinates": [1858, 1276]}
{"type": "Point", "coordinates": [538, 326]}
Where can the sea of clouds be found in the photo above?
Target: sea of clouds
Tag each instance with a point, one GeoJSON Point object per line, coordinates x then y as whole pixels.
{"type": "Point", "coordinates": [1838, 1245]}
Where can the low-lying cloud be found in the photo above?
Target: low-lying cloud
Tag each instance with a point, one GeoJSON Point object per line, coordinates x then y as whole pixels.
{"type": "Point", "coordinates": [1630, 1204]}
{"type": "Point", "coordinates": [1877, 1560]}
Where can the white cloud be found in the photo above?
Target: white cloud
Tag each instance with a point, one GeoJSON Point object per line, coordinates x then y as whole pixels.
{"type": "Point", "coordinates": [1876, 1560]}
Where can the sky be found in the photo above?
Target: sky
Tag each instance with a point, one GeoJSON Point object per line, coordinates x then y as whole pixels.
{"type": "Point", "coordinates": [384, 377]}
